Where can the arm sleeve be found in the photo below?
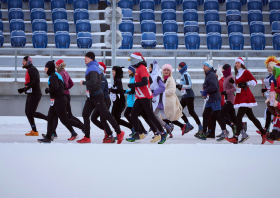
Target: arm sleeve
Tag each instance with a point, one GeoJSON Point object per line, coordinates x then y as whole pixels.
{"type": "Point", "coordinates": [35, 76]}
{"type": "Point", "coordinates": [118, 85]}
{"type": "Point", "coordinates": [251, 83]}
{"type": "Point", "coordinates": [70, 83]}
{"type": "Point", "coordinates": [54, 83]}
{"type": "Point", "coordinates": [212, 85]}
{"type": "Point", "coordinates": [232, 89]}
{"type": "Point", "coordinates": [144, 82]}
{"type": "Point", "coordinates": [250, 78]}
{"type": "Point", "coordinates": [160, 89]}
{"type": "Point", "coordinates": [171, 89]}
{"type": "Point", "coordinates": [188, 85]}
{"type": "Point", "coordinates": [92, 82]}
{"type": "Point", "coordinates": [151, 80]}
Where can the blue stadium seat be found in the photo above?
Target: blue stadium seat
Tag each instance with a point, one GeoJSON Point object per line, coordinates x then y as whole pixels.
{"type": "Point", "coordinates": [213, 26]}
{"type": "Point", "coordinates": [47, 0]}
{"type": "Point", "coordinates": [37, 13]}
{"type": "Point", "coordinates": [1, 39]}
{"type": "Point", "coordinates": [243, 2]}
{"type": "Point", "coordinates": [58, 4]}
{"type": "Point", "coordinates": [233, 15]}
{"type": "Point", "coordinates": [192, 40]}
{"type": "Point", "coordinates": [1, 25]}
{"type": "Point", "coordinates": [169, 26]}
{"type": "Point", "coordinates": [276, 41]}
{"type": "Point", "coordinates": [14, 4]}
{"type": "Point", "coordinates": [257, 41]}
{"type": "Point", "coordinates": [93, 1]}
{"type": "Point", "coordinates": [61, 25]}
{"type": "Point", "coordinates": [274, 5]}
{"type": "Point", "coordinates": [59, 13]}
{"type": "Point", "coordinates": [255, 5]}
{"type": "Point", "coordinates": [4, 1]}
{"type": "Point", "coordinates": [125, 4]}
{"type": "Point", "coordinates": [62, 40]}
{"type": "Point", "coordinates": [147, 4]}
{"type": "Point", "coordinates": [190, 4]}
{"type": "Point", "coordinates": [233, 5]}
{"type": "Point", "coordinates": [127, 26]}
{"type": "Point", "coordinates": [235, 26]}
{"type": "Point", "coordinates": [80, 4]}
{"type": "Point", "coordinates": [168, 5]}
{"type": "Point", "coordinates": [17, 24]}
{"type": "Point", "coordinates": [200, 2]}
{"type": "Point", "coordinates": [211, 15]}
{"type": "Point", "coordinates": [222, 1]}
{"type": "Point", "coordinates": [179, 2]}
{"type": "Point", "coordinates": [39, 25]}
{"type": "Point", "coordinates": [191, 26]}
{"type": "Point", "coordinates": [69, 1]}
{"type": "Point", "coordinates": [0, 15]}
{"type": "Point", "coordinates": [84, 40]}
{"type": "Point", "coordinates": [256, 27]}
{"type": "Point", "coordinates": [274, 16]}
{"type": "Point", "coordinates": [211, 5]}
{"type": "Point", "coordinates": [214, 41]}
{"type": "Point", "coordinates": [148, 26]}
{"type": "Point", "coordinates": [16, 13]}
{"type": "Point", "coordinates": [275, 26]}
{"type": "Point", "coordinates": [136, 2]}
{"type": "Point", "coordinates": [168, 15]}
{"type": "Point", "coordinates": [146, 15]}
{"type": "Point", "coordinates": [190, 15]}
{"type": "Point", "coordinates": [127, 42]}
{"type": "Point", "coordinates": [170, 40]}
{"type": "Point", "coordinates": [40, 39]}
{"type": "Point", "coordinates": [83, 26]}
{"type": "Point", "coordinates": [81, 14]}
{"type": "Point", "coordinates": [127, 14]}
{"type": "Point", "coordinates": [18, 39]}
{"type": "Point", "coordinates": [157, 2]}
{"type": "Point", "coordinates": [148, 40]}
{"type": "Point", "coordinates": [254, 15]}
{"type": "Point", "coordinates": [236, 41]}
{"type": "Point", "coordinates": [36, 4]}
{"type": "Point", "coordinates": [265, 2]}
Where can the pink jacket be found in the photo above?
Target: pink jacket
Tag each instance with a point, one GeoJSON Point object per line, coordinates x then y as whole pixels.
{"type": "Point", "coordinates": [230, 89]}
{"type": "Point", "coordinates": [67, 80]}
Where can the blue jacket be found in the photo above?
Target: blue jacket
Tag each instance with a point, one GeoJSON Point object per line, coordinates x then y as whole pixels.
{"type": "Point", "coordinates": [187, 81]}
{"type": "Point", "coordinates": [211, 86]}
{"type": "Point", "coordinates": [130, 98]}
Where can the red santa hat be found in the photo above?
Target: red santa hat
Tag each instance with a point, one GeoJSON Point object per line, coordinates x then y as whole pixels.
{"type": "Point", "coordinates": [58, 63]}
{"type": "Point", "coordinates": [102, 66]}
{"type": "Point", "coordinates": [137, 55]}
{"type": "Point", "coordinates": [240, 60]}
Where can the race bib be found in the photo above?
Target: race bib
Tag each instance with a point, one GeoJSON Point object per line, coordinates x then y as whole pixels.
{"type": "Point", "coordinates": [29, 90]}
{"type": "Point", "coordinates": [238, 90]}
{"type": "Point", "coordinates": [52, 102]}
{"type": "Point", "coordinates": [113, 96]}
{"type": "Point", "coordinates": [183, 91]}
{"type": "Point", "coordinates": [87, 93]}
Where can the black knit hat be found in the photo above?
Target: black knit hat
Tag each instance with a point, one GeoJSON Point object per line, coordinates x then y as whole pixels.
{"type": "Point", "coordinates": [182, 64]}
{"type": "Point", "coordinates": [226, 66]}
{"type": "Point", "coordinates": [91, 55]}
{"type": "Point", "coordinates": [51, 66]}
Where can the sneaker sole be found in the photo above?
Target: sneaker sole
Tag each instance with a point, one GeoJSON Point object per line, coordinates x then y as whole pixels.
{"type": "Point", "coordinates": [187, 131]}
{"type": "Point", "coordinates": [244, 140]}
{"type": "Point", "coordinates": [220, 140]}
{"type": "Point", "coordinates": [43, 142]}
{"type": "Point", "coordinates": [73, 139]}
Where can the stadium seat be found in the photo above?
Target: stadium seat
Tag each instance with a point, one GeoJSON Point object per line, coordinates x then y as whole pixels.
{"type": "Point", "coordinates": [62, 40]}
{"type": "Point", "coordinates": [127, 14]}
{"type": "Point", "coordinates": [36, 4]}
{"type": "Point", "coordinates": [1, 39]}
{"type": "Point", "coordinates": [169, 26]}
{"type": "Point", "coordinates": [69, 1]}
{"type": "Point", "coordinates": [59, 13]}
{"type": "Point", "coordinates": [148, 40]}
{"type": "Point", "coordinates": [222, 1]}
{"type": "Point", "coordinates": [17, 24]}
{"type": "Point", "coordinates": [168, 5]}
{"type": "Point", "coordinates": [147, 4]}
{"type": "Point", "coordinates": [190, 4]}
{"type": "Point", "coordinates": [157, 2]}
{"type": "Point", "coordinates": [125, 4]}
{"type": "Point", "coordinates": [18, 39]}
{"type": "Point", "coordinates": [190, 15]}
{"type": "Point", "coordinates": [127, 26]}
{"type": "Point", "coordinates": [127, 42]}
{"type": "Point", "coordinates": [14, 4]}
{"type": "Point", "coordinates": [179, 2]}
{"type": "Point", "coordinates": [276, 41]}
{"type": "Point", "coordinates": [170, 40]}
{"type": "Point", "coordinates": [211, 5]}
{"type": "Point", "coordinates": [84, 40]}
{"type": "Point", "coordinates": [236, 41]}
{"type": "Point", "coordinates": [214, 41]}
{"type": "Point", "coordinates": [274, 16]}
{"type": "Point", "coordinates": [265, 2]}
{"type": "Point", "coordinates": [213, 26]}
{"type": "Point", "coordinates": [255, 5]}
{"type": "Point", "coordinates": [200, 2]}
{"type": "Point", "coordinates": [146, 15]}
{"type": "Point", "coordinates": [235, 26]}
{"type": "Point", "coordinates": [83, 26]}
{"type": "Point", "coordinates": [274, 5]}
{"type": "Point", "coordinates": [233, 15]}
{"type": "Point", "coordinates": [148, 26]}
{"type": "Point", "coordinates": [81, 14]}
{"type": "Point", "coordinates": [47, 0]}
{"type": "Point", "coordinates": [37, 13]}
{"type": "Point", "coordinates": [93, 1]}
{"type": "Point", "coordinates": [257, 41]}
{"type": "Point", "coordinates": [191, 26]}
{"type": "Point", "coordinates": [168, 15]}
{"type": "Point", "coordinates": [254, 15]}
{"type": "Point", "coordinates": [16, 13]}
{"type": "Point", "coordinates": [39, 25]}
{"type": "Point", "coordinates": [136, 2]}
{"type": "Point", "coordinates": [192, 41]}
{"type": "Point", "coordinates": [233, 5]}
{"type": "Point", "coordinates": [61, 25]}
{"type": "Point", "coordinates": [243, 2]}
{"type": "Point", "coordinates": [1, 25]}
{"type": "Point", "coordinates": [80, 4]}
{"type": "Point", "coordinates": [40, 39]}
{"type": "Point", "coordinates": [4, 1]}
{"type": "Point", "coordinates": [0, 14]}
{"type": "Point", "coordinates": [58, 4]}
{"type": "Point", "coordinates": [275, 26]}
{"type": "Point", "coordinates": [256, 27]}
{"type": "Point", "coordinates": [211, 15]}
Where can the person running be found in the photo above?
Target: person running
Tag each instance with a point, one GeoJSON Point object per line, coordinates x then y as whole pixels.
{"type": "Point", "coordinates": [33, 90]}
{"type": "Point", "coordinates": [244, 100]}
{"type": "Point", "coordinates": [95, 99]}
{"type": "Point", "coordinates": [143, 100]}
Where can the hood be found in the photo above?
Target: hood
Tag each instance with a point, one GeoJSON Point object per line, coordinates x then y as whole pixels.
{"type": "Point", "coordinates": [51, 67]}
{"type": "Point", "coordinates": [140, 63]}
{"type": "Point", "coordinates": [119, 71]}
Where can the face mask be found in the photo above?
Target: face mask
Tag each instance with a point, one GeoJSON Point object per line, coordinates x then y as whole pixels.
{"type": "Point", "coordinates": [135, 61]}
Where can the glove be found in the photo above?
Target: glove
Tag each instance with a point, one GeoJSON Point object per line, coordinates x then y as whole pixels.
{"type": "Point", "coordinates": [132, 91]}
{"type": "Point", "coordinates": [242, 85]}
{"type": "Point", "coordinates": [179, 87]}
{"type": "Point", "coordinates": [152, 91]}
{"type": "Point", "coordinates": [21, 90]}
{"type": "Point", "coordinates": [131, 85]}
{"type": "Point", "coordinates": [224, 93]}
{"type": "Point", "coordinates": [47, 90]}
{"type": "Point", "coordinates": [231, 80]}
{"type": "Point", "coordinates": [203, 93]}
{"type": "Point", "coordinates": [264, 90]}
{"type": "Point", "coordinates": [113, 90]}
{"type": "Point", "coordinates": [25, 89]}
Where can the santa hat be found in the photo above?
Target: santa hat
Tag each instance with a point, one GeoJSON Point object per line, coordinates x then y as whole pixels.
{"type": "Point", "coordinates": [167, 66]}
{"type": "Point", "coordinates": [102, 66]}
{"type": "Point", "coordinates": [137, 55]}
{"type": "Point", "coordinates": [240, 60]}
{"type": "Point", "coordinates": [59, 62]}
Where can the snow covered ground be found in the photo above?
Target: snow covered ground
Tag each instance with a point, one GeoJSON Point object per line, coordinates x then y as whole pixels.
{"type": "Point", "coordinates": [182, 167]}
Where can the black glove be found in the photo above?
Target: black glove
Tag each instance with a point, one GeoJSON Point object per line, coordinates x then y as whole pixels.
{"type": "Point", "coordinates": [131, 92]}
{"type": "Point", "coordinates": [152, 91]}
{"type": "Point", "coordinates": [113, 90]}
{"type": "Point", "coordinates": [47, 90]}
{"type": "Point", "coordinates": [242, 85]}
{"type": "Point", "coordinates": [179, 87]}
{"type": "Point", "coordinates": [131, 85]}
{"type": "Point", "coordinates": [224, 93]}
{"type": "Point", "coordinates": [21, 90]}
{"type": "Point", "coordinates": [264, 90]}
{"type": "Point", "coordinates": [231, 80]}
{"type": "Point", "coordinates": [25, 89]}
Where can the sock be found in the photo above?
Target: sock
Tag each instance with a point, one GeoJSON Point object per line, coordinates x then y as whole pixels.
{"type": "Point", "coordinates": [34, 128]}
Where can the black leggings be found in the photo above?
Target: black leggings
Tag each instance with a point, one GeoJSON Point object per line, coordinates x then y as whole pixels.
{"type": "Point", "coordinates": [145, 104]}
{"type": "Point", "coordinates": [189, 102]}
{"type": "Point", "coordinates": [268, 119]}
{"type": "Point", "coordinates": [214, 116]}
{"type": "Point", "coordinates": [146, 118]}
{"type": "Point", "coordinates": [127, 115]}
{"type": "Point", "coordinates": [117, 110]}
{"type": "Point", "coordinates": [227, 109]}
{"type": "Point", "coordinates": [176, 122]}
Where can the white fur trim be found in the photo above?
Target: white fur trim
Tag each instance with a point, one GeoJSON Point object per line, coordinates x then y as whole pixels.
{"type": "Point", "coordinates": [239, 60]}
{"type": "Point", "coordinates": [100, 67]}
{"type": "Point", "coordinates": [135, 56]}
{"type": "Point", "coordinates": [246, 105]}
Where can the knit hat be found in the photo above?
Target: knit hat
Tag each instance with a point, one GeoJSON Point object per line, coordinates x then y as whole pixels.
{"type": "Point", "coordinates": [136, 57]}
{"type": "Point", "coordinates": [167, 66]}
{"type": "Point", "coordinates": [51, 66]}
{"type": "Point", "coordinates": [91, 55]}
{"type": "Point", "coordinates": [182, 64]}
{"type": "Point", "coordinates": [28, 60]}
{"type": "Point", "coordinates": [209, 63]}
{"type": "Point", "coordinates": [58, 63]}
{"type": "Point", "coordinates": [240, 60]}
{"type": "Point", "coordinates": [102, 66]}
{"type": "Point", "coordinates": [131, 68]}
{"type": "Point", "coordinates": [226, 66]}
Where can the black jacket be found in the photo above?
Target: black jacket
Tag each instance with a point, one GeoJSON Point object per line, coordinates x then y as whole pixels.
{"type": "Point", "coordinates": [104, 86]}
{"type": "Point", "coordinates": [211, 85]}
{"type": "Point", "coordinates": [32, 80]}
{"type": "Point", "coordinates": [93, 82]}
{"type": "Point", "coordinates": [56, 87]}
